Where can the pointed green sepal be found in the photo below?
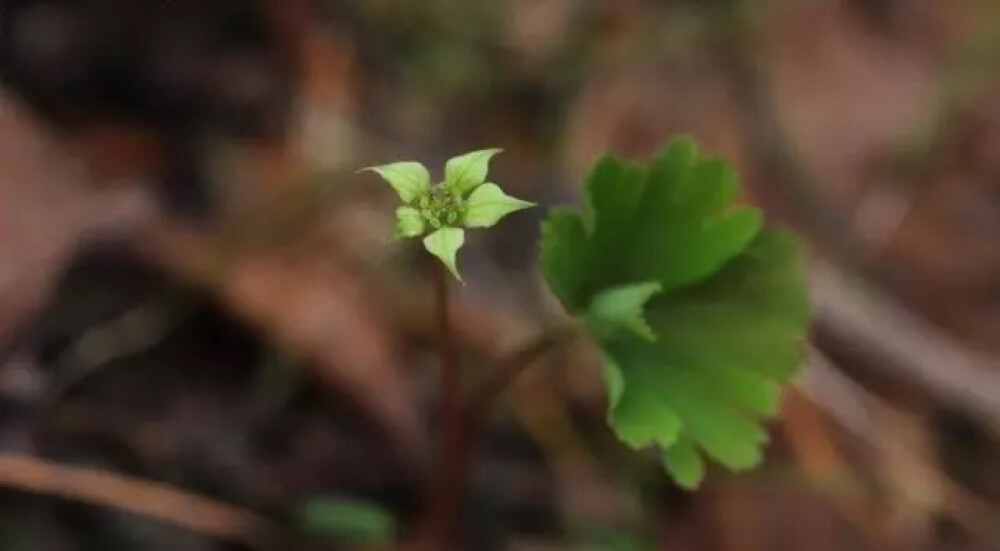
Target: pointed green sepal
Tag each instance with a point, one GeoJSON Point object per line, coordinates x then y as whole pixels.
{"type": "Point", "coordinates": [410, 179]}
{"type": "Point", "coordinates": [488, 204]}
{"type": "Point", "coordinates": [409, 223]}
{"type": "Point", "coordinates": [444, 244]}
{"type": "Point", "coordinates": [465, 172]}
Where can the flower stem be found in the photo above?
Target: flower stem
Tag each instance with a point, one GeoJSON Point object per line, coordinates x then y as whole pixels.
{"type": "Point", "coordinates": [462, 422]}
{"type": "Point", "coordinates": [452, 463]}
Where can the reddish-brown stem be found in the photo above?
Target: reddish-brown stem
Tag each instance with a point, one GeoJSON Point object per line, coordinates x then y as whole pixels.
{"type": "Point", "coordinates": [461, 421]}
{"type": "Point", "coordinates": [482, 400]}
{"type": "Point", "coordinates": [452, 461]}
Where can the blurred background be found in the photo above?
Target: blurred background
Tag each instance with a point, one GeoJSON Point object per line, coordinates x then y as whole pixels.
{"type": "Point", "coordinates": [198, 297]}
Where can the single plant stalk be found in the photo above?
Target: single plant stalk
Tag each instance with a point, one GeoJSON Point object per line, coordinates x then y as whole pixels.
{"type": "Point", "coordinates": [462, 421]}
{"type": "Point", "coordinates": [452, 461]}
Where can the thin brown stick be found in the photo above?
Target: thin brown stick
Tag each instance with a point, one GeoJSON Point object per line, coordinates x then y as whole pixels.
{"type": "Point", "coordinates": [140, 497]}
{"type": "Point", "coordinates": [907, 348]}
{"type": "Point", "coordinates": [514, 365]}
{"type": "Point", "coordinates": [453, 459]}
{"type": "Point", "coordinates": [854, 408]}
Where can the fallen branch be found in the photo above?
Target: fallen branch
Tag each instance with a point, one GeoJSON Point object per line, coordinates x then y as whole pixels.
{"type": "Point", "coordinates": [856, 409]}
{"type": "Point", "coordinates": [905, 347]}
{"type": "Point", "coordinates": [140, 497]}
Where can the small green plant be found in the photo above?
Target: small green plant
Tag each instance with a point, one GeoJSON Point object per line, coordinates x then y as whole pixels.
{"type": "Point", "coordinates": [698, 309]}
{"type": "Point", "coordinates": [463, 200]}
{"type": "Point", "coordinates": [346, 520]}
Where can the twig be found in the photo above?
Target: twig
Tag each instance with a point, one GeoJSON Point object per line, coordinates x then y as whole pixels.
{"type": "Point", "coordinates": [140, 497]}
{"type": "Point", "coordinates": [904, 346]}
{"type": "Point", "coordinates": [513, 365]}
{"type": "Point", "coordinates": [854, 408]}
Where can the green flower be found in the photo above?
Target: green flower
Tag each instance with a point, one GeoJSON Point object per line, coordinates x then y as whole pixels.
{"type": "Point", "coordinates": [463, 199]}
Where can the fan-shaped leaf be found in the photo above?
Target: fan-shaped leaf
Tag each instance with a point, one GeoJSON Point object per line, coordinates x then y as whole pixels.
{"type": "Point", "coordinates": [708, 347]}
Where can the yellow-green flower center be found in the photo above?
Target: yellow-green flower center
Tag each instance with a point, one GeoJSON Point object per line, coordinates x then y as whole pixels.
{"type": "Point", "coordinates": [441, 207]}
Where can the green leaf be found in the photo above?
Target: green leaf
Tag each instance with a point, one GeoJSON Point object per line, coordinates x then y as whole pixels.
{"type": "Point", "coordinates": [410, 179]}
{"type": "Point", "coordinates": [709, 347]}
{"type": "Point", "coordinates": [409, 222]}
{"type": "Point", "coordinates": [684, 227]}
{"type": "Point", "coordinates": [620, 309]}
{"type": "Point", "coordinates": [593, 537]}
{"type": "Point", "coordinates": [488, 204]}
{"type": "Point", "coordinates": [444, 244]}
{"type": "Point", "coordinates": [347, 520]}
{"type": "Point", "coordinates": [684, 463]}
{"type": "Point", "coordinates": [465, 172]}
{"type": "Point", "coordinates": [639, 419]}
{"type": "Point", "coordinates": [614, 189]}
{"type": "Point", "coordinates": [564, 244]}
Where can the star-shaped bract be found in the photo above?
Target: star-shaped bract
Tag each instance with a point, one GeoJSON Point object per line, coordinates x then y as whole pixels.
{"type": "Point", "coordinates": [463, 199]}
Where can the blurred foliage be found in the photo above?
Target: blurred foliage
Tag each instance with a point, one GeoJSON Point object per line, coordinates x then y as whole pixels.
{"type": "Point", "coordinates": [347, 520]}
